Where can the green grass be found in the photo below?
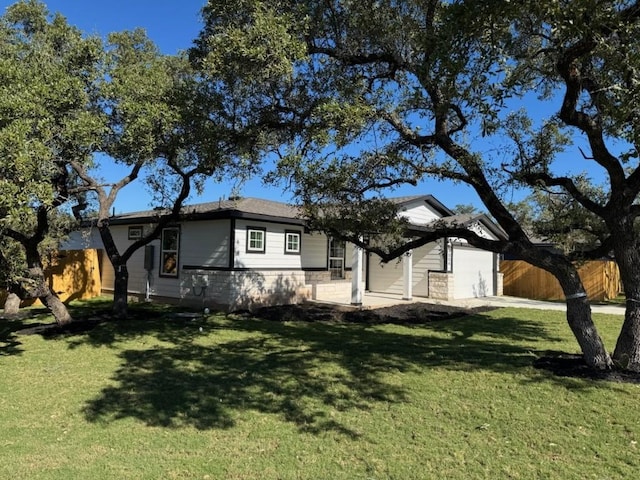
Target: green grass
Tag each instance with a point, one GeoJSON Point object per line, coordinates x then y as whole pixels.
{"type": "Point", "coordinates": [231, 398]}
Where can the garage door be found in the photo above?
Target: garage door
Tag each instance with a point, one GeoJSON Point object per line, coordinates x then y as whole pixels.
{"type": "Point", "coordinates": [473, 272]}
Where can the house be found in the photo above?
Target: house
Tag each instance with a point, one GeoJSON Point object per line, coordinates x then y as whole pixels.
{"type": "Point", "coordinates": [245, 251]}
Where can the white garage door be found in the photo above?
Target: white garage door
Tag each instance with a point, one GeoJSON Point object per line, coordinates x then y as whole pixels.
{"type": "Point", "coordinates": [473, 272]}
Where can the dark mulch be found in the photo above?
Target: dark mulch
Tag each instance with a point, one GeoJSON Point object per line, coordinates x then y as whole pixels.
{"type": "Point", "coordinates": [80, 325]}
{"type": "Point", "coordinates": [415, 313]}
{"type": "Point", "coordinates": [573, 366]}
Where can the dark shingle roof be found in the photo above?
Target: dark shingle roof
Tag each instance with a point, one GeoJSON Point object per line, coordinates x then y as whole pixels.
{"type": "Point", "coordinates": [259, 209]}
{"type": "Point", "coordinates": [254, 208]}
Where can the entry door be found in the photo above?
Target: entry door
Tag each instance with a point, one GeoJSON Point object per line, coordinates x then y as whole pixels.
{"type": "Point", "coordinates": [336, 259]}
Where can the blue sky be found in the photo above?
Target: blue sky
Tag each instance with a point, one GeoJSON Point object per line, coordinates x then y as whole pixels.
{"type": "Point", "coordinates": [172, 25]}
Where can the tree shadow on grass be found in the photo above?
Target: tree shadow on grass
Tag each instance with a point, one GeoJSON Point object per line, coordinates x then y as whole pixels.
{"type": "Point", "coordinates": [9, 343]}
{"type": "Point", "coordinates": [12, 326]}
{"type": "Point", "coordinates": [300, 371]}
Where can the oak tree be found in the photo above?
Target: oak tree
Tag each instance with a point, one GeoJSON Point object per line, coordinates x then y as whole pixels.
{"type": "Point", "coordinates": [377, 94]}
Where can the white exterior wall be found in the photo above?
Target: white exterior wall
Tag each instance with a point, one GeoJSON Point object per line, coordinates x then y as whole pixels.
{"type": "Point", "coordinates": [474, 270]}
{"type": "Point", "coordinates": [314, 250]}
{"type": "Point", "coordinates": [388, 277]}
{"type": "Point", "coordinates": [275, 277]}
{"type": "Point", "coordinates": [205, 243]}
{"type": "Point", "coordinates": [135, 265]}
{"type": "Point", "coordinates": [418, 212]}
{"type": "Point", "coordinates": [273, 256]}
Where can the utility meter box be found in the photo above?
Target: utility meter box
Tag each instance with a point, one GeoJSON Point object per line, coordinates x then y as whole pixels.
{"type": "Point", "coordinates": [148, 257]}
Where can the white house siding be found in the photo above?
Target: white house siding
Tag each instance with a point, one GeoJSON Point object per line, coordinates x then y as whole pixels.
{"type": "Point", "coordinates": [274, 256]}
{"type": "Point", "coordinates": [204, 248]}
{"type": "Point", "coordinates": [205, 243]}
{"type": "Point", "coordinates": [269, 277]}
{"type": "Point", "coordinates": [474, 272]}
{"type": "Point", "coordinates": [418, 212]}
{"type": "Point", "coordinates": [388, 277]}
{"type": "Point", "coordinates": [201, 243]}
{"type": "Point", "coordinates": [314, 250]}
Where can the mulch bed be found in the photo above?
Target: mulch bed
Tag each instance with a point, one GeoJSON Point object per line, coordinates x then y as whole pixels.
{"type": "Point", "coordinates": [415, 313]}
{"type": "Point", "coordinates": [573, 366]}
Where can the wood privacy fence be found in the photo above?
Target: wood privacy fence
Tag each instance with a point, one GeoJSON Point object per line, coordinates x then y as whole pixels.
{"type": "Point", "coordinates": [601, 279]}
{"type": "Point", "coordinates": [73, 274]}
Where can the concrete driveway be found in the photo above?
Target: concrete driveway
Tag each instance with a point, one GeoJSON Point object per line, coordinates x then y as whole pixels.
{"type": "Point", "coordinates": [377, 300]}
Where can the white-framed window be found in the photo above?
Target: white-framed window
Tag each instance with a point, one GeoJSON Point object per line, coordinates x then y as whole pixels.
{"type": "Point", "coordinates": [292, 242]}
{"type": "Point", "coordinates": [170, 252]}
{"type": "Point", "coordinates": [337, 250]}
{"type": "Point", "coordinates": [256, 239]}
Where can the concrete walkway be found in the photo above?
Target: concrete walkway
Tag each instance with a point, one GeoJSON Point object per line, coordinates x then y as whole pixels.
{"type": "Point", "coordinates": [377, 300]}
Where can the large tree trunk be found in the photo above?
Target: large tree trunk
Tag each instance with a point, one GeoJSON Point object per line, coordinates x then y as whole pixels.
{"type": "Point", "coordinates": [120, 290]}
{"type": "Point", "coordinates": [581, 323]}
{"type": "Point", "coordinates": [12, 304]}
{"type": "Point", "coordinates": [121, 280]}
{"type": "Point", "coordinates": [38, 288]}
{"type": "Point", "coordinates": [35, 286]}
{"type": "Point", "coordinates": [579, 316]}
{"type": "Point", "coordinates": [58, 309]}
{"type": "Point", "coordinates": [627, 352]}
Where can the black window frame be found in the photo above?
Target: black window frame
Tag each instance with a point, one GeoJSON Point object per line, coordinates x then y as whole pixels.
{"type": "Point", "coordinates": [248, 249]}
{"type": "Point", "coordinates": [298, 233]}
{"type": "Point", "coordinates": [176, 252]}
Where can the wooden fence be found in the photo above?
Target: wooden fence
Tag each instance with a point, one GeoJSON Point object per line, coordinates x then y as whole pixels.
{"type": "Point", "coordinates": [73, 274]}
{"type": "Point", "coordinates": [601, 279]}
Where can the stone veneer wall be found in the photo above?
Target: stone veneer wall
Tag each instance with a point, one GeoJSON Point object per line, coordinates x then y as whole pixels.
{"type": "Point", "coordinates": [244, 289]}
{"type": "Point", "coordinates": [499, 284]}
{"type": "Point", "coordinates": [321, 276]}
{"type": "Point", "coordinates": [441, 285]}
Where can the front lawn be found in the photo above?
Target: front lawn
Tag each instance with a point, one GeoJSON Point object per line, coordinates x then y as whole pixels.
{"type": "Point", "coordinates": [175, 397]}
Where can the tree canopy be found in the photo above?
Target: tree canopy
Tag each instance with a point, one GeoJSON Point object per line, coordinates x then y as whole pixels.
{"type": "Point", "coordinates": [74, 104]}
{"type": "Point", "coordinates": [387, 93]}
{"type": "Point", "coordinates": [46, 68]}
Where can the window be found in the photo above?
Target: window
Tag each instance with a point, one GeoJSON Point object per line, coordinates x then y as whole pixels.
{"type": "Point", "coordinates": [135, 233]}
{"type": "Point", "coordinates": [169, 256]}
{"type": "Point", "coordinates": [292, 242]}
{"type": "Point", "coordinates": [336, 259]}
{"type": "Point", "coordinates": [256, 239]}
